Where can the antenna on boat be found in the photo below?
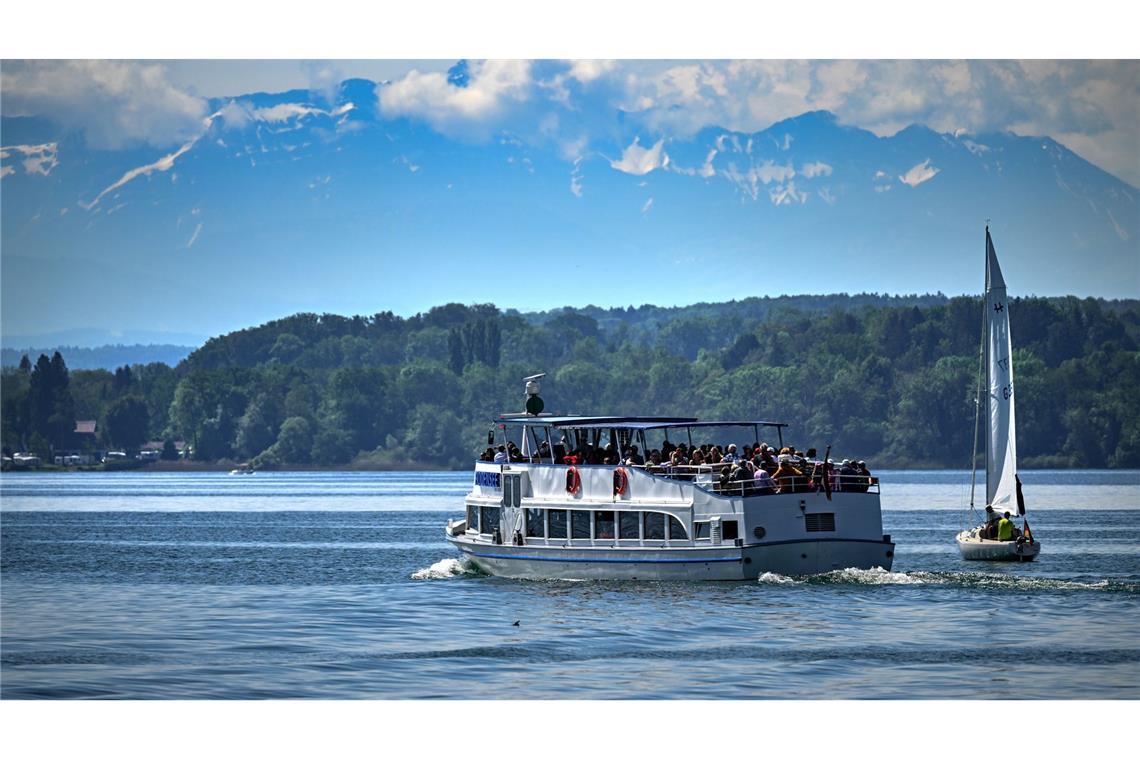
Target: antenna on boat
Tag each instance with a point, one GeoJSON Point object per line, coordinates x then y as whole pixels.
{"type": "Point", "coordinates": [534, 402]}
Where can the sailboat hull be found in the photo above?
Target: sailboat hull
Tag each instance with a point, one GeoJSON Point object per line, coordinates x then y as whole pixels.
{"type": "Point", "coordinates": [988, 550]}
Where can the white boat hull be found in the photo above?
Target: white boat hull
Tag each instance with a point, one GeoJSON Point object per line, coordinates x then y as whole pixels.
{"type": "Point", "coordinates": [723, 563]}
{"type": "Point", "coordinates": [975, 548]}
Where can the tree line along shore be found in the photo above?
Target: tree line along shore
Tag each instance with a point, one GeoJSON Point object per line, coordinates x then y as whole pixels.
{"type": "Point", "coordinates": [889, 379]}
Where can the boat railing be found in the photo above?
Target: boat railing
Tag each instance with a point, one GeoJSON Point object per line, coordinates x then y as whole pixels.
{"type": "Point", "coordinates": [710, 476]}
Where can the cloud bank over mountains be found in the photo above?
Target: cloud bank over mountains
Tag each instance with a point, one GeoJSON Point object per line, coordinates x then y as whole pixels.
{"type": "Point", "coordinates": [1091, 107]}
{"type": "Point", "coordinates": [537, 184]}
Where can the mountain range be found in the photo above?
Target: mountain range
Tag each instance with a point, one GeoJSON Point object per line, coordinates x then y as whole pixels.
{"type": "Point", "coordinates": [301, 201]}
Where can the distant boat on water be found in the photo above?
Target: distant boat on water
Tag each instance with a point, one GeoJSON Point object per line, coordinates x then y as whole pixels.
{"type": "Point", "coordinates": [997, 538]}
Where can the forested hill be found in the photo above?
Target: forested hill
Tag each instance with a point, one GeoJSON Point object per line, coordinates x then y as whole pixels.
{"type": "Point", "coordinates": [888, 379]}
{"type": "Point", "coordinates": [683, 330]}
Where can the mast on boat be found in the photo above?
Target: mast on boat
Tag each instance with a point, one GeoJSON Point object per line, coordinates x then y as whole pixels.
{"type": "Point", "coordinates": [978, 390]}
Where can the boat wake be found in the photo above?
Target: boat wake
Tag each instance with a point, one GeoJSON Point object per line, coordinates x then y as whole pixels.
{"type": "Point", "coordinates": [876, 576]}
{"type": "Point", "coordinates": [445, 568]}
{"type": "Point", "coordinates": [779, 580]}
{"type": "Point", "coordinates": [998, 581]}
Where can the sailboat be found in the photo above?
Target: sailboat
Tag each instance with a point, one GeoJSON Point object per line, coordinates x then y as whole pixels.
{"type": "Point", "coordinates": [1004, 498]}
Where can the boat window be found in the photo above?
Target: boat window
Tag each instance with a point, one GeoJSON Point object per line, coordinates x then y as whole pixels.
{"type": "Point", "coordinates": [488, 520]}
{"type": "Point", "coordinates": [472, 517]}
{"type": "Point", "coordinates": [604, 524]}
{"type": "Point", "coordinates": [557, 527]}
{"type": "Point", "coordinates": [654, 526]}
{"type": "Point", "coordinates": [729, 530]}
{"type": "Point", "coordinates": [627, 525]}
{"type": "Point", "coordinates": [534, 523]}
{"type": "Point", "coordinates": [700, 530]}
{"type": "Point", "coordinates": [579, 524]}
{"type": "Point", "coordinates": [676, 530]}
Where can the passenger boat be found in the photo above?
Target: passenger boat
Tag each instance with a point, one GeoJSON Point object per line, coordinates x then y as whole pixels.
{"type": "Point", "coordinates": [1003, 486]}
{"type": "Point", "coordinates": [552, 516]}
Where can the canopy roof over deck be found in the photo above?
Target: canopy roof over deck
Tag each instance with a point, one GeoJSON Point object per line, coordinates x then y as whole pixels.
{"type": "Point", "coordinates": [629, 423]}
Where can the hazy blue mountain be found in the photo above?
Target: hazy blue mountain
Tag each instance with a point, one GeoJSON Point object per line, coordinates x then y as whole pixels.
{"type": "Point", "coordinates": [85, 337]}
{"type": "Point", "coordinates": [100, 357]}
{"type": "Point", "coordinates": [289, 198]}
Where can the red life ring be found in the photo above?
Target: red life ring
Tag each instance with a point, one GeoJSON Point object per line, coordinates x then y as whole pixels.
{"type": "Point", "coordinates": [573, 480]}
{"type": "Point", "coordinates": [621, 481]}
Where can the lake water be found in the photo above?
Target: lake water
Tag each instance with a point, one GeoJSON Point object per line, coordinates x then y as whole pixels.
{"type": "Point", "coordinates": [340, 585]}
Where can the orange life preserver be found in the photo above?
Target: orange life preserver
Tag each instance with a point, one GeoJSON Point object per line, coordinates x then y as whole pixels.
{"type": "Point", "coordinates": [573, 480]}
{"type": "Point", "coordinates": [621, 481]}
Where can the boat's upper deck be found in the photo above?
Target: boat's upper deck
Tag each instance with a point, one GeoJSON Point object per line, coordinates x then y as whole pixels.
{"type": "Point", "coordinates": [627, 423]}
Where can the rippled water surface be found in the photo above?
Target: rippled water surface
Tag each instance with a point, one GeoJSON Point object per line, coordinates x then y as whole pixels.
{"type": "Point", "coordinates": [340, 585]}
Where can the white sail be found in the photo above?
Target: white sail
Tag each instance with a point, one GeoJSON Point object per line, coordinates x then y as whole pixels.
{"type": "Point", "coordinates": [1001, 445]}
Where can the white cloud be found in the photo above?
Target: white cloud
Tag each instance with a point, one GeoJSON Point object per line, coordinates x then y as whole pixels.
{"type": "Point", "coordinates": [637, 160]}
{"type": "Point", "coordinates": [38, 159]}
{"type": "Point", "coordinates": [235, 115]}
{"type": "Point", "coordinates": [1091, 107]}
{"type": "Point", "coordinates": [115, 103]}
{"type": "Point", "coordinates": [586, 71]}
{"type": "Point", "coordinates": [815, 169]}
{"type": "Point", "coordinates": [283, 112]}
{"type": "Point", "coordinates": [576, 179]}
{"type": "Point", "coordinates": [5, 171]}
{"type": "Point", "coordinates": [918, 174]}
{"type": "Point", "coordinates": [648, 205]}
{"type": "Point", "coordinates": [492, 87]}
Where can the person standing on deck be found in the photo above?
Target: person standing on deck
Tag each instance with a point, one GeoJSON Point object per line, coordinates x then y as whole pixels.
{"type": "Point", "coordinates": [787, 475]}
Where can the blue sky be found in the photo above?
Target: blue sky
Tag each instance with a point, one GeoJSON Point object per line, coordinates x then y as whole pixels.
{"type": "Point", "coordinates": [509, 161]}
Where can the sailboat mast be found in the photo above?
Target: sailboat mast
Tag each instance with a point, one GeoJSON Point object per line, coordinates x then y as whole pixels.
{"type": "Point", "coordinates": [986, 362]}
{"type": "Point", "coordinates": [978, 402]}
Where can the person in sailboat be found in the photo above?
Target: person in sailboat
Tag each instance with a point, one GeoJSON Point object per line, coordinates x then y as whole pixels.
{"type": "Point", "coordinates": [1005, 528]}
{"type": "Point", "coordinates": [990, 529]}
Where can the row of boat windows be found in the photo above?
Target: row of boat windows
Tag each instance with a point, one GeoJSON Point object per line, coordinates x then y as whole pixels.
{"type": "Point", "coordinates": [600, 524]}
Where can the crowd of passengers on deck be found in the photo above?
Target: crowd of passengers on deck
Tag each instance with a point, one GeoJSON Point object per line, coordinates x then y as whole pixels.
{"type": "Point", "coordinates": [759, 469]}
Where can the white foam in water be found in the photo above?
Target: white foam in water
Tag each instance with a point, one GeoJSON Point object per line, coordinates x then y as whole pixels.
{"type": "Point", "coordinates": [777, 579]}
{"type": "Point", "coordinates": [445, 568]}
{"type": "Point", "coordinates": [876, 576]}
